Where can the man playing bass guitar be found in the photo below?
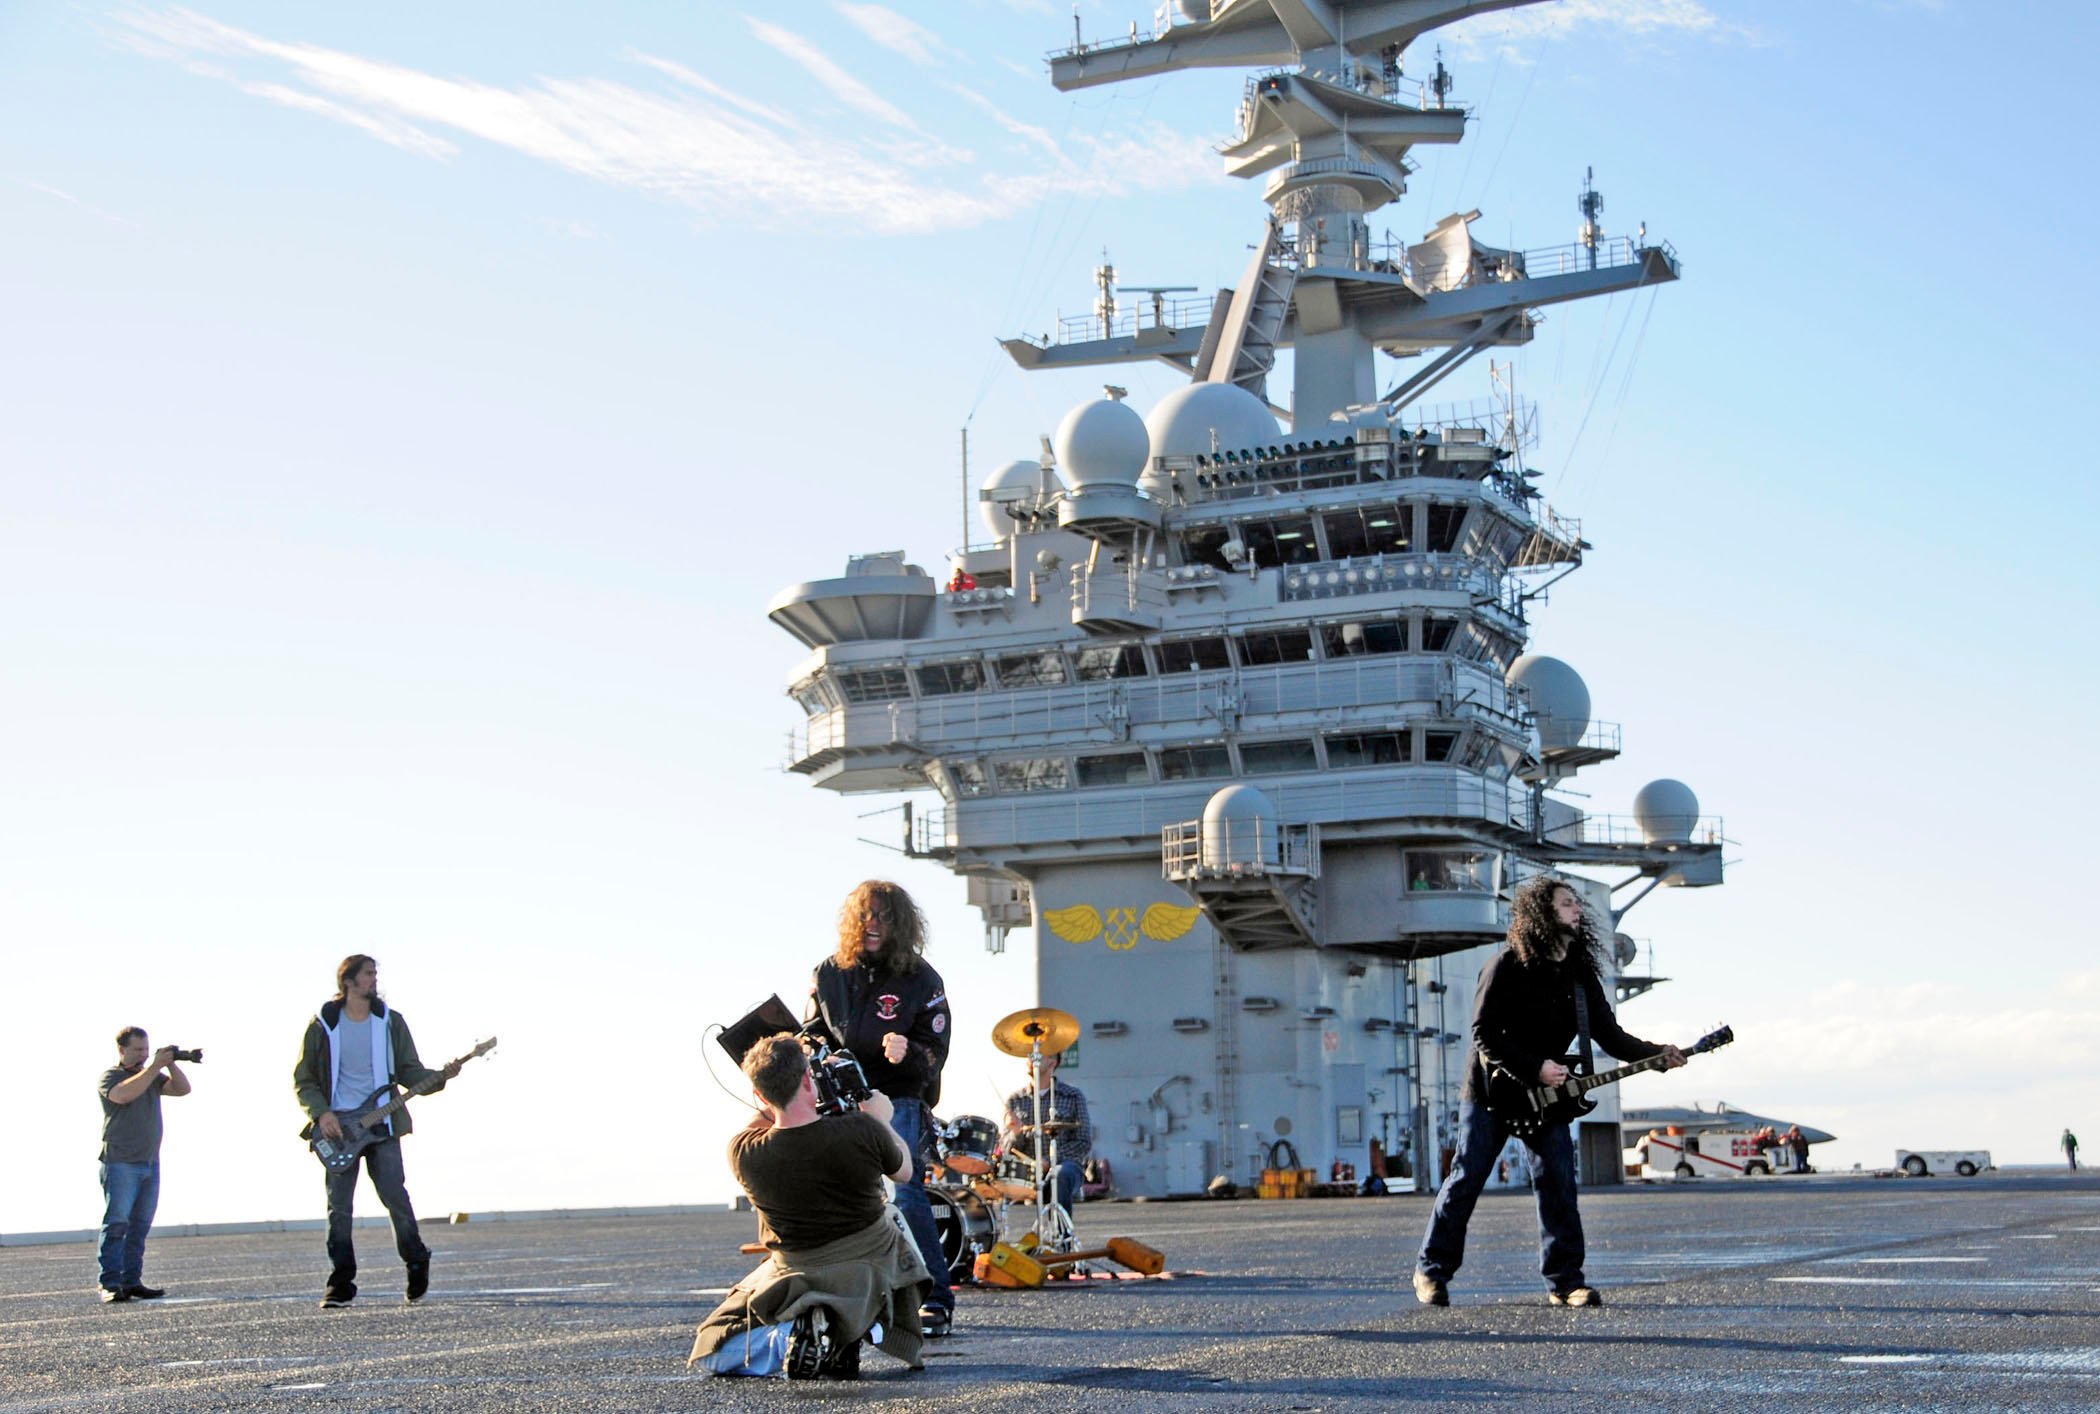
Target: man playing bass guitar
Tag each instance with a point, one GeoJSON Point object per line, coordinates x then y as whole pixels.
{"type": "Point", "coordinates": [1524, 1018]}
{"type": "Point", "coordinates": [354, 1047]}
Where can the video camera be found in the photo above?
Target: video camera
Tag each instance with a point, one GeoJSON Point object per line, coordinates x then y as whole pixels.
{"type": "Point", "coordinates": [841, 1083]}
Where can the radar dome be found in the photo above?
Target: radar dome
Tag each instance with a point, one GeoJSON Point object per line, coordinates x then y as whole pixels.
{"type": "Point", "coordinates": [1016, 481]}
{"type": "Point", "coordinates": [1239, 828]}
{"type": "Point", "coordinates": [1101, 443]}
{"type": "Point", "coordinates": [1182, 422]}
{"type": "Point", "coordinates": [1197, 10]}
{"type": "Point", "coordinates": [1559, 698]}
{"type": "Point", "coordinates": [1667, 810]}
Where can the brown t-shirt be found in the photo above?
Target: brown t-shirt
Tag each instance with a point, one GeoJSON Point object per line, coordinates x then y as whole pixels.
{"type": "Point", "coordinates": [816, 1183]}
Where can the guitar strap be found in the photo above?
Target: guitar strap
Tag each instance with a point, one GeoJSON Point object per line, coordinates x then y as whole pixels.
{"type": "Point", "coordinates": [1582, 1028]}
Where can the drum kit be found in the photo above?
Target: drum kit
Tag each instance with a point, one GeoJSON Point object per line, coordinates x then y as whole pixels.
{"type": "Point", "coordinates": [981, 1173]}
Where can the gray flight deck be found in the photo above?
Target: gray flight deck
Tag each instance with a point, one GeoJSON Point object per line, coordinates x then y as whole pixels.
{"type": "Point", "coordinates": [1878, 1294]}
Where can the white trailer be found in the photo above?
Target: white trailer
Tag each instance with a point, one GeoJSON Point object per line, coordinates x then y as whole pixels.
{"type": "Point", "coordinates": [1714, 1153]}
{"type": "Point", "coordinates": [1921, 1163]}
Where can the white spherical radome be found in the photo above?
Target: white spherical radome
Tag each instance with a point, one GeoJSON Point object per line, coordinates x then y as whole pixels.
{"type": "Point", "coordinates": [1023, 480]}
{"type": "Point", "coordinates": [1239, 827]}
{"type": "Point", "coordinates": [1667, 811]}
{"type": "Point", "coordinates": [1559, 698]}
{"type": "Point", "coordinates": [1101, 443]}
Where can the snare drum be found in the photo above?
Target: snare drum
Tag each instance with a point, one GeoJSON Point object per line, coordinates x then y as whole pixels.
{"type": "Point", "coordinates": [965, 1226]}
{"type": "Point", "coordinates": [969, 1144]}
{"type": "Point", "coordinates": [1012, 1179]}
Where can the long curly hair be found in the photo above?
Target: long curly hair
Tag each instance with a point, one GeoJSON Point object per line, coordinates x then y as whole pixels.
{"type": "Point", "coordinates": [1539, 939]}
{"type": "Point", "coordinates": [904, 927]}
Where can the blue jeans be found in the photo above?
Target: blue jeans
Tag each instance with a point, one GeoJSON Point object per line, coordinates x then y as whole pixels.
{"type": "Point", "coordinates": [1481, 1138]}
{"type": "Point", "coordinates": [912, 1123]}
{"type": "Point", "coordinates": [1064, 1184]}
{"type": "Point", "coordinates": [131, 1193]}
{"type": "Point", "coordinates": [383, 1162]}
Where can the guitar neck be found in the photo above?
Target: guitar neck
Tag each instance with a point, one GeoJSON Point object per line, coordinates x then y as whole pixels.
{"type": "Point", "coordinates": [378, 1115]}
{"type": "Point", "coordinates": [1585, 1083]}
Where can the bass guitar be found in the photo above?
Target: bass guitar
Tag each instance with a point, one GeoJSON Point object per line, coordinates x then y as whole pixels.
{"type": "Point", "coordinates": [363, 1126]}
{"type": "Point", "coordinates": [1525, 1107]}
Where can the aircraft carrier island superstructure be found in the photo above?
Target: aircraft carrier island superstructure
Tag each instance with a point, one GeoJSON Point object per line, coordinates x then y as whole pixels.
{"type": "Point", "coordinates": [1235, 711]}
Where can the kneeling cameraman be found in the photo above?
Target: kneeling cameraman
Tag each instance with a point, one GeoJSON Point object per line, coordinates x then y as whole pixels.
{"type": "Point", "coordinates": [842, 1260]}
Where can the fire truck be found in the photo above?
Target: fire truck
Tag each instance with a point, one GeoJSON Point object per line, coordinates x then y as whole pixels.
{"type": "Point", "coordinates": [1714, 1153]}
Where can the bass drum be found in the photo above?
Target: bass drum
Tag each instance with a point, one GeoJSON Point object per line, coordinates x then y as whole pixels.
{"type": "Point", "coordinates": [966, 1228]}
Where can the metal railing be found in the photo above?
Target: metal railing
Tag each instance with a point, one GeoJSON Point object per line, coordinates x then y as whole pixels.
{"type": "Point", "coordinates": [1606, 254]}
{"type": "Point", "coordinates": [1250, 847]}
{"type": "Point", "coordinates": [1118, 592]}
{"type": "Point", "coordinates": [1626, 830]}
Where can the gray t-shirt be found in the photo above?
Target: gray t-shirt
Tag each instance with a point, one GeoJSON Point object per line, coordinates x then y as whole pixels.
{"type": "Point", "coordinates": [353, 1048]}
{"type": "Point", "coordinates": [130, 1133]}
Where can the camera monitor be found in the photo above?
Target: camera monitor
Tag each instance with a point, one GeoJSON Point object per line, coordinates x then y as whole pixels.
{"type": "Point", "coordinates": [769, 1018]}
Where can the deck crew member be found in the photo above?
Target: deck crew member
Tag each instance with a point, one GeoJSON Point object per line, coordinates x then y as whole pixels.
{"type": "Point", "coordinates": [1524, 1018]}
{"type": "Point", "coordinates": [881, 1000]}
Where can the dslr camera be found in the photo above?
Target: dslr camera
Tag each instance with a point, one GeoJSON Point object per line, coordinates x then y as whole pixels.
{"type": "Point", "coordinates": [841, 1084]}
{"type": "Point", "coordinates": [195, 1057]}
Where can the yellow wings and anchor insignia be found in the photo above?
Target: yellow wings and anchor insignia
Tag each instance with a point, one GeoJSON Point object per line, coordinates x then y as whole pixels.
{"type": "Point", "coordinates": [1166, 922]}
{"type": "Point", "coordinates": [1081, 923]}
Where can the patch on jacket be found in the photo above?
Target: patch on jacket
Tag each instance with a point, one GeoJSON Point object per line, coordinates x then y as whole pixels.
{"type": "Point", "coordinates": [886, 1006]}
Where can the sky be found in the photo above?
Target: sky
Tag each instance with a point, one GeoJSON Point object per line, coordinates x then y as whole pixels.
{"type": "Point", "coordinates": [409, 411]}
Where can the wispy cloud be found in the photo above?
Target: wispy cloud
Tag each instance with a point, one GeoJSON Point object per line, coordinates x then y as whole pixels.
{"type": "Point", "coordinates": [1647, 19]}
{"type": "Point", "coordinates": [57, 194]}
{"type": "Point", "coordinates": [688, 138]}
{"type": "Point", "coordinates": [898, 33]}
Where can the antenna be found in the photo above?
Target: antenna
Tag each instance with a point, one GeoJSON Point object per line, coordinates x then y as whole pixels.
{"type": "Point", "coordinates": [1591, 205]}
{"type": "Point", "coordinates": [966, 487]}
{"type": "Point", "coordinates": [1105, 302]}
{"type": "Point", "coordinates": [1159, 295]}
{"type": "Point", "coordinates": [1440, 82]}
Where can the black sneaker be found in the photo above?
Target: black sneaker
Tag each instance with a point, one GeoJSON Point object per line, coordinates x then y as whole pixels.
{"type": "Point", "coordinates": [1577, 1296]}
{"type": "Point", "coordinates": [842, 1362]}
{"type": "Point", "coordinates": [112, 1295]}
{"type": "Point", "coordinates": [1431, 1292]}
{"type": "Point", "coordinates": [935, 1321]}
{"type": "Point", "coordinates": [144, 1293]}
{"type": "Point", "coordinates": [805, 1348]}
{"type": "Point", "coordinates": [418, 1279]}
{"type": "Point", "coordinates": [331, 1299]}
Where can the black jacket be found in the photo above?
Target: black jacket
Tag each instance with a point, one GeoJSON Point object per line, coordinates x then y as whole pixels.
{"type": "Point", "coordinates": [1524, 1016]}
{"type": "Point", "coordinates": [860, 1004]}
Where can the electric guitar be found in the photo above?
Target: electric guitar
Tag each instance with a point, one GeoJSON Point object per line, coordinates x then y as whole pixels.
{"type": "Point", "coordinates": [1525, 1107]}
{"type": "Point", "coordinates": [363, 1126]}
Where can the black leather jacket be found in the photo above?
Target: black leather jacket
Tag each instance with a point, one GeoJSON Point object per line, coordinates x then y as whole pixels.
{"type": "Point", "coordinates": [860, 1004]}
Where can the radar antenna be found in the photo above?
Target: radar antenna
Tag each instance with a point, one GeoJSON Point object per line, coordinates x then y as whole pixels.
{"type": "Point", "coordinates": [1591, 205]}
{"type": "Point", "coordinates": [1440, 82]}
{"type": "Point", "coordinates": [1159, 295]}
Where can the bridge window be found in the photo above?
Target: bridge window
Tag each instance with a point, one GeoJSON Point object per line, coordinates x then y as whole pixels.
{"type": "Point", "coordinates": [941, 679]}
{"type": "Point", "coordinates": [968, 776]}
{"type": "Point", "coordinates": [1193, 763]}
{"type": "Point", "coordinates": [1436, 634]}
{"type": "Point", "coordinates": [1272, 758]}
{"type": "Point", "coordinates": [1439, 746]}
{"type": "Point", "coordinates": [812, 697]}
{"type": "Point", "coordinates": [874, 684]}
{"type": "Point", "coordinates": [1288, 540]}
{"type": "Point", "coordinates": [1283, 645]}
{"type": "Point", "coordinates": [1450, 870]}
{"type": "Point", "coordinates": [1124, 768]}
{"type": "Point", "coordinates": [1118, 660]}
{"type": "Point", "coordinates": [1031, 670]}
{"type": "Point", "coordinates": [1193, 655]}
{"type": "Point", "coordinates": [1354, 639]}
{"type": "Point", "coordinates": [1032, 773]}
{"type": "Point", "coordinates": [1443, 528]}
{"type": "Point", "coordinates": [1368, 530]}
{"type": "Point", "coordinates": [1368, 749]}
{"type": "Point", "coordinates": [1201, 546]}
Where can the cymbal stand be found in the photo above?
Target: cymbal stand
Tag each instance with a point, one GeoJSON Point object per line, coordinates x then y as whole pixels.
{"type": "Point", "coordinates": [1053, 1225]}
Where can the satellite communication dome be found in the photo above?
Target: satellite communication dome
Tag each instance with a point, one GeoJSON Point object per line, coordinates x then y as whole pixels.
{"type": "Point", "coordinates": [1559, 698]}
{"type": "Point", "coordinates": [1182, 422]}
{"type": "Point", "coordinates": [1193, 9]}
{"type": "Point", "coordinates": [1239, 828]}
{"type": "Point", "coordinates": [1016, 481]}
{"type": "Point", "coordinates": [1101, 443]}
{"type": "Point", "coordinates": [1667, 811]}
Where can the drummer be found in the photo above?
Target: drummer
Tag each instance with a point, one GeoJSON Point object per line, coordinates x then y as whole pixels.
{"type": "Point", "coordinates": [1064, 1123]}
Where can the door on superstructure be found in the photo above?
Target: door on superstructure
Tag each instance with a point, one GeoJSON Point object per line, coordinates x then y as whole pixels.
{"type": "Point", "coordinates": [1597, 1154]}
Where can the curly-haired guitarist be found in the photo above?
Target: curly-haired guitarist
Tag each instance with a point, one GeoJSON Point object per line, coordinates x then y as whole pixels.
{"type": "Point", "coordinates": [1524, 1019]}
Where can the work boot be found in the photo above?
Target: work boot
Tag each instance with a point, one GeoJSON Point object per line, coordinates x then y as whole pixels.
{"type": "Point", "coordinates": [1577, 1296]}
{"type": "Point", "coordinates": [418, 1279]}
{"type": "Point", "coordinates": [144, 1293]}
{"type": "Point", "coordinates": [111, 1295]}
{"type": "Point", "coordinates": [1431, 1292]}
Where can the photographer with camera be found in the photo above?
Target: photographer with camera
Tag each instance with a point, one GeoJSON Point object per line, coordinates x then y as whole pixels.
{"type": "Point", "coordinates": [881, 1000]}
{"type": "Point", "coordinates": [130, 1092]}
{"type": "Point", "coordinates": [837, 1247]}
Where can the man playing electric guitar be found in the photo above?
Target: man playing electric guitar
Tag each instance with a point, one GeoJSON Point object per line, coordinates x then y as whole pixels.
{"type": "Point", "coordinates": [1524, 1017]}
{"type": "Point", "coordinates": [355, 1047]}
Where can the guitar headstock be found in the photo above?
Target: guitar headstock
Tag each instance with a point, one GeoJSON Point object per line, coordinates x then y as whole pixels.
{"type": "Point", "coordinates": [1711, 1041]}
{"type": "Point", "coordinates": [481, 1048]}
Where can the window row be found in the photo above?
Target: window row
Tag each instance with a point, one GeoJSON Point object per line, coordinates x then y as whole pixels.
{"type": "Point", "coordinates": [1356, 532]}
{"type": "Point", "coordinates": [1254, 648]}
{"type": "Point", "coordinates": [1218, 760]}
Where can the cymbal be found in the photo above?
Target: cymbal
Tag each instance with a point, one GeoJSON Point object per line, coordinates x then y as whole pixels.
{"type": "Point", "coordinates": [1017, 1034]}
